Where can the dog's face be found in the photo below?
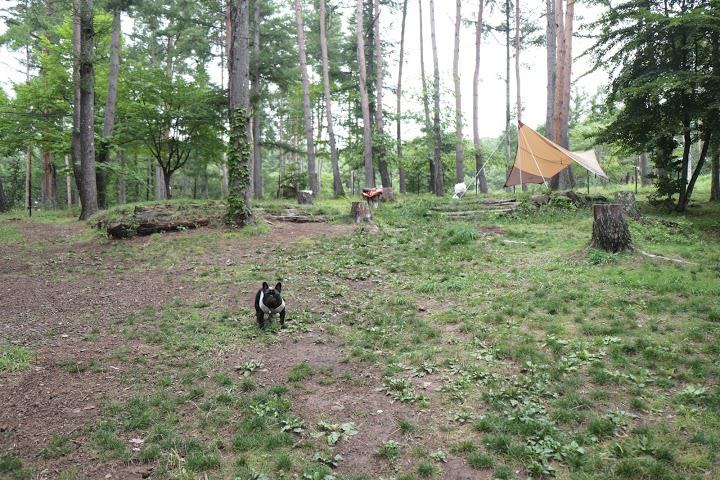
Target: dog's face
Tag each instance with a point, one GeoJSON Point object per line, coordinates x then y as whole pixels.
{"type": "Point", "coordinates": [271, 296]}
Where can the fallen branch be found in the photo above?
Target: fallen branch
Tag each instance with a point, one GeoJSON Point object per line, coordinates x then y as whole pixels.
{"type": "Point", "coordinates": [676, 260]}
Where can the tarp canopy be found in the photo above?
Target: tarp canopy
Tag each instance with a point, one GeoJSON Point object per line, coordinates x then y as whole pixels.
{"type": "Point", "coordinates": [538, 159]}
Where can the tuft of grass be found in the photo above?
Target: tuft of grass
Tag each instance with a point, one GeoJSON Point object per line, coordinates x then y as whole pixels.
{"type": "Point", "coordinates": [426, 469]}
{"type": "Point", "coordinates": [58, 446]}
{"type": "Point", "coordinates": [13, 359]}
{"type": "Point", "coordinates": [479, 461]}
{"type": "Point", "coordinates": [300, 372]}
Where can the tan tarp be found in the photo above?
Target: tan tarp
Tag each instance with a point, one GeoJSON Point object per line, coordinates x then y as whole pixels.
{"type": "Point", "coordinates": [538, 159]}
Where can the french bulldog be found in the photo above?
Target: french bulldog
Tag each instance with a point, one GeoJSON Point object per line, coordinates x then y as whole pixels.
{"type": "Point", "coordinates": [269, 301]}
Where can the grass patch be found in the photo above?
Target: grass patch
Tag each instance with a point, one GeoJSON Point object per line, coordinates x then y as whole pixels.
{"type": "Point", "coordinates": [13, 359]}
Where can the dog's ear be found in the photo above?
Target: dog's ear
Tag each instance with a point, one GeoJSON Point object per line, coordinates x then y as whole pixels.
{"type": "Point", "coordinates": [278, 287]}
{"type": "Point", "coordinates": [265, 286]}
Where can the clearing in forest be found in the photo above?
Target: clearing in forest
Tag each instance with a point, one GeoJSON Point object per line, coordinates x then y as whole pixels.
{"type": "Point", "coordinates": [425, 348]}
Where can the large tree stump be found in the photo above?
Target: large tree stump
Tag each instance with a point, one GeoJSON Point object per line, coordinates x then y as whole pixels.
{"type": "Point", "coordinates": [305, 197]}
{"type": "Point", "coordinates": [387, 195]}
{"type": "Point", "coordinates": [627, 201]}
{"type": "Point", "coordinates": [361, 212]}
{"type": "Point", "coordinates": [610, 231]}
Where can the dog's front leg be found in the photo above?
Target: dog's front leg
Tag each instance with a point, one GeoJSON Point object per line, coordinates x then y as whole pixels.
{"type": "Point", "coordinates": [260, 317]}
{"type": "Point", "coordinates": [282, 319]}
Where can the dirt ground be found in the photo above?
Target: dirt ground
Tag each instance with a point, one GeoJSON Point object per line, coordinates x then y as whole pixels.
{"type": "Point", "coordinates": [62, 286]}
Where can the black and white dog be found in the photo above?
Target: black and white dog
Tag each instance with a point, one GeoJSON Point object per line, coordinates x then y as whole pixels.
{"type": "Point", "coordinates": [269, 301]}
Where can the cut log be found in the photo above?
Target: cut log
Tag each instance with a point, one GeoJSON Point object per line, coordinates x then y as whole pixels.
{"type": "Point", "coordinates": [610, 231]}
{"type": "Point", "coordinates": [296, 218]}
{"type": "Point", "coordinates": [361, 212]}
{"type": "Point", "coordinates": [387, 195]}
{"type": "Point", "coordinates": [627, 200]}
{"type": "Point", "coordinates": [305, 197]}
{"type": "Point", "coordinates": [540, 200]}
{"type": "Point", "coordinates": [576, 199]}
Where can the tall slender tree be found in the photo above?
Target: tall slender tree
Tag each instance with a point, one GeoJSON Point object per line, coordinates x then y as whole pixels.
{"type": "Point", "coordinates": [87, 110]}
{"type": "Point", "coordinates": [255, 101]}
{"type": "Point", "coordinates": [438, 187]}
{"type": "Point", "coordinates": [110, 104]}
{"type": "Point", "coordinates": [715, 173]}
{"type": "Point", "coordinates": [238, 159]}
{"type": "Point", "coordinates": [334, 158]}
{"type": "Point", "coordinates": [4, 204]}
{"type": "Point", "coordinates": [364, 100]}
{"type": "Point", "coordinates": [307, 113]}
{"type": "Point", "coordinates": [459, 153]}
{"type": "Point", "coordinates": [425, 98]}
{"type": "Point", "coordinates": [379, 114]}
{"type": "Point", "coordinates": [551, 56]}
{"type": "Point", "coordinates": [561, 110]}
{"type": "Point", "coordinates": [479, 164]}
{"type": "Point", "coordinates": [398, 111]}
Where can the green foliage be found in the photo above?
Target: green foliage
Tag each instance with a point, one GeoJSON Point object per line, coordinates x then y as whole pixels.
{"type": "Point", "coordinates": [14, 358]}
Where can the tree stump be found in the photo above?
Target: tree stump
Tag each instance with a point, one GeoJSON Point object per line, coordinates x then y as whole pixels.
{"type": "Point", "coordinates": [305, 197]}
{"type": "Point", "coordinates": [627, 201]}
{"type": "Point", "coordinates": [361, 212]}
{"type": "Point", "coordinates": [387, 195]}
{"type": "Point", "coordinates": [540, 200]}
{"type": "Point", "coordinates": [610, 231]}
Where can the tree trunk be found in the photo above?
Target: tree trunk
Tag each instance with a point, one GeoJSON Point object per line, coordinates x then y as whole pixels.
{"type": "Point", "coordinates": [379, 120]}
{"type": "Point", "coordinates": [518, 98]}
{"type": "Point", "coordinates": [398, 118]}
{"type": "Point", "coordinates": [715, 173]}
{"type": "Point", "coordinates": [76, 146]}
{"type": "Point", "coordinates": [364, 101]}
{"type": "Point", "coordinates": [28, 181]}
{"type": "Point", "coordinates": [361, 212]}
{"type": "Point", "coordinates": [459, 154]}
{"type": "Point", "coordinates": [121, 179]}
{"type": "Point", "coordinates": [508, 153]}
{"type": "Point", "coordinates": [627, 201]}
{"type": "Point", "coordinates": [167, 179]}
{"type": "Point", "coordinates": [87, 110]}
{"type": "Point", "coordinates": [480, 180]}
{"type": "Point", "coordinates": [438, 187]}
{"type": "Point", "coordinates": [238, 159]}
{"type": "Point", "coordinates": [109, 124]}
{"type": "Point", "coordinates": [4, 204]}
{"type": "Point", "coordinates": [257, 110]}
{"type": "Point", "coordinates": [426, 102]}
{"type": "Point", "coordinates": [160, 192]}
{"type": "Point", "coordinates": [68, 182]}
{"type": "Point", "coordinates": [48, 192]}
{"type": "Point", "coordinates": [610, 232]}
{"type": "Point", "coordinates": [334, 159]}
{"type": "Point", "coordinates": [644, 169]}
{"type": "Point", "coordinates": [312, 173]}
{"type": "Point", "coordinates": [564, 28]}
{"type": "Point", "coordinates": [551, 48]}
{"type": "Point", "coordinates": [686, 195]}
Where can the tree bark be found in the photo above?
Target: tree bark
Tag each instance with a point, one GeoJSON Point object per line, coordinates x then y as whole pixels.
{"type": "Point", "coordinates": [121, 179]}
{"type": "Point", "coordinates": [87, 110]}
{"type": "Point", "coordinates": [398, 117]}
{"type": "Point", "coordinates": [334, 158]}
{"type": "Point", "coordinates": [426, 102]}
{"type": "Point", "coordinates": [4, 204]}
{"type": "Point", "coordinates": [438, 187]}
{"type": "Point", "coordinates": [76, 146]}
{"type": "Point", "coordinates": [238, 159]}
{"type": "Point", "coordinates": [364, 101]}
{"type": "Point", "coordinates": [715, 173]}
{"type": "Point", "coordinates": [459, 153]}
{"type": "Point", "coordinates": [312, 173]}
{"type": "Point", "coordinates": [361, 212]}
{"type": "Point", "coordinates": [160, 192]}
{"type": "Point", "coordinates": [610, 232]}
{"type": "Point", "coordinates": [551, 48]}
{"type": "Point", "coordinates": [644, 170]}
{"type": "Point", "coordinates": [518, 98]}
{"type": "Point", "coordinates": [110, 104]}
{"type": "Point", "coordinates": [481, 182]}
{"type": "Point", "coordinates": [257, 110]}
{"type": "Point", "coordinates": [48, 192]}
{"type": "Point", "coordinates": [68, 182]}
{"type": "Point", "coordinates": [379, 120]}
{"type": "Point", "coordinates": [508, 113]}
{"type": "Point", "coordinates": [564, 28]}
